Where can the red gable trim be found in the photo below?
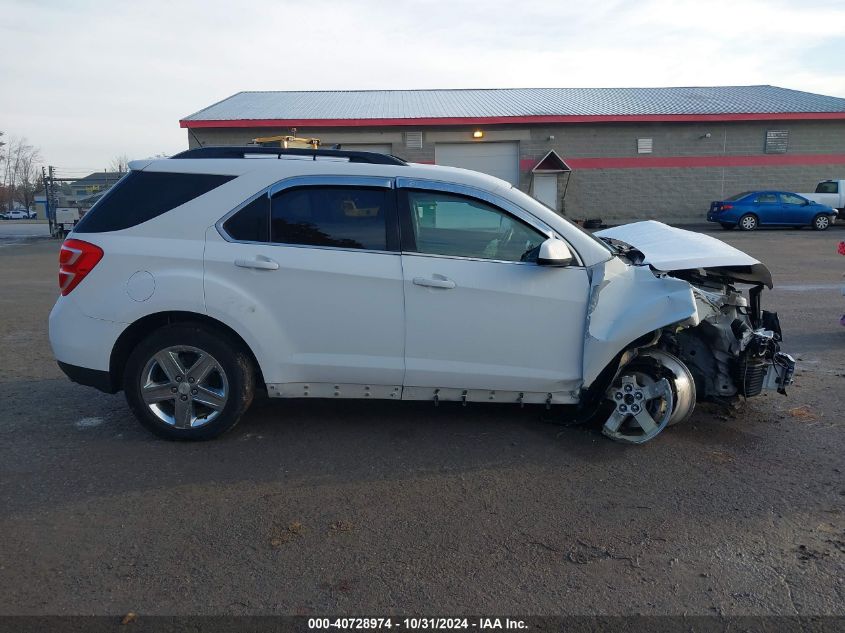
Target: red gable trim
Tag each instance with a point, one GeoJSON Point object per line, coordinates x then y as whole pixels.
{"type": "Point", "coordinates": [514, 120]}
{"type": "Point", "coordinates": [670, 162]}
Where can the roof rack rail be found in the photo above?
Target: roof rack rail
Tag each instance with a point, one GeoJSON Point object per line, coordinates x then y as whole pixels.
{"type": "Point", "coordinates": [240, 151]}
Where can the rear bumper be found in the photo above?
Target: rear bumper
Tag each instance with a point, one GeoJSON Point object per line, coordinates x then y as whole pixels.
{"type": "Point", "coordinates": [96, 378]}
{"type": "Point", "coordinates": [83, 345]}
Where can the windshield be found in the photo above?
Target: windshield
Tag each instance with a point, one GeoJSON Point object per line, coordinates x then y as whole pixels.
{"type": "Point", "coordinates": [737, 196]}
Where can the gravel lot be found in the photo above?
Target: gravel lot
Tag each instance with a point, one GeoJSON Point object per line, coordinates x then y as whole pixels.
{"type": "Point", "coordinates": [317, 508]}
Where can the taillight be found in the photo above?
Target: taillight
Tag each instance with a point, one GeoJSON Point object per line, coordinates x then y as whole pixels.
{"type": "Point", "coordinates": [76, 259]}
{"type": "Point", "coordinates": [725, 207]}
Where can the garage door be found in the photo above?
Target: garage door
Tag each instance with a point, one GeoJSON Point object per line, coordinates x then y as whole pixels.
{"type": "Point", "coordinates": [497, 159]}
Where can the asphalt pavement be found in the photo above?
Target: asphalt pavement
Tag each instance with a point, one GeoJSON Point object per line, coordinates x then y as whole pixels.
{"type": "Point", "coordinates": [325, 507]}
{"type": "Point", "coordinates": [13, 231]}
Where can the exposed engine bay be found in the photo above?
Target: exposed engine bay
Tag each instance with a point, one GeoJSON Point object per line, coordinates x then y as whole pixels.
{"type": "Point", "coordinates": [727, 347]}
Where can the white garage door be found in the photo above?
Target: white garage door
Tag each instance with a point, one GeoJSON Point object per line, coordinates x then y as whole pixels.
{"type": "Point", "coordinates": [497, 159]}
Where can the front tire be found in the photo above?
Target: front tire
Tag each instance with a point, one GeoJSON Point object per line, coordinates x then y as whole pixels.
{"type": "Point", "coordinates": [653, 391]}
{"type": "Point", "coordinates": [748, 222]}
{"type": "Point", "coordinates": [821, 222]}
{"type": "Point", "coordinates": [189, 382]}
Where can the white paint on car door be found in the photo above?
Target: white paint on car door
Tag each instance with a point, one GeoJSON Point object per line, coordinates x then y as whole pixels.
{"type": "Point", "coordinates": [323, 314]}
{"type": "Point", "coordinates": [484, 324]}
{"type": "Point", "coordinates": [501, 326]}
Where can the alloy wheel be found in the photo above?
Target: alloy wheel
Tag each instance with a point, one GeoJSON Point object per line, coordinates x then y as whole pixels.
{"type": "Point", "coordinates": [642, 408]}
{"type": "Point", "coordinates": [184, 386]}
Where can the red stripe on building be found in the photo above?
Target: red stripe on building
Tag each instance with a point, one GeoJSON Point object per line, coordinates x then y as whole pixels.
{"type": "Point", "coordinates": [515, 120]}
{"type": "Point", "coordinates": [677, 162]}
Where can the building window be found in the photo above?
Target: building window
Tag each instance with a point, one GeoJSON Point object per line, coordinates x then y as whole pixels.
{"type": "Point", "coordinates": [777, 141]}
{"type": "Point", "coordinates": [644, 145]}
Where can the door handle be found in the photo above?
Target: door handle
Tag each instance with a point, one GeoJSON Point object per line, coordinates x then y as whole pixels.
{"type": "Point", "coordinates": [259, 263]}
{"type": "Point", "coordinates": [446, 284]}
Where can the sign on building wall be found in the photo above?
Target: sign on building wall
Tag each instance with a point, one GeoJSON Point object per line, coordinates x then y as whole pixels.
{"type": "Point", "coordinates": [777, 141]}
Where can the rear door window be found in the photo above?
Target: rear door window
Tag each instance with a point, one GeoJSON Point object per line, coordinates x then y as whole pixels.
{"type": "Point", "coordinates": [766, 198]}
{"type": "Point", "coordinates": [338, 216]}
{"type": "Point", "coordinates": [140, 196]}
{"type": "Point", "coordinates": [252, 222]}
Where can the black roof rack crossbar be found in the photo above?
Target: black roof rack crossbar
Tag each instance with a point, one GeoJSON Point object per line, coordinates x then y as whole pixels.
{"type": "Point", "coordinates": [239, 151]}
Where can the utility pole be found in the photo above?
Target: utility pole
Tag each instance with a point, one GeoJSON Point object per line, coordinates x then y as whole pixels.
{"type": "Point", "coordinates": [52, 201]}
{"type": "Point", "coordinates": [46, 198]}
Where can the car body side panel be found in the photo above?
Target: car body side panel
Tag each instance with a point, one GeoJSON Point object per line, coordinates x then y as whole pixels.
{"type": "Point", "coordinates": [80, 340]}
{"type": "Point", "coordinates": [323, 316]}
{"type": "Point", "coordinates": [627, 302]}
{"type": "Point", "coordinates": [503, 326]}
{"type": "Point", "coordinates": [139, 276]}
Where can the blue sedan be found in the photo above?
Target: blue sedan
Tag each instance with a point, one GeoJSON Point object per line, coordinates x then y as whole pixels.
{"type": "Point", "coordinates": [751, 209]}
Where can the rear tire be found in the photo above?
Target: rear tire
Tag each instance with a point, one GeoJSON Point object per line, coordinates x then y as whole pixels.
{"type": "Point", "coordinates": [748, 222]}
{"type": "Point", "coordinates": [821, 222]}
{"type": "Point", "coordinates": [189, 382]}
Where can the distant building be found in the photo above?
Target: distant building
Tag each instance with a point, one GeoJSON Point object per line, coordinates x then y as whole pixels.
{"type": "Point", "coordinates": [614, 153]}
{"type": "Point", "coordinates": [99, 181]}
{"type": "Point", "coordinates": [82, 193]}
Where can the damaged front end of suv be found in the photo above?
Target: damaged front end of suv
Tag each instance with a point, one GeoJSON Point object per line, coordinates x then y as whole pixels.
{"type": "Point", "coordinates": [704, 339]}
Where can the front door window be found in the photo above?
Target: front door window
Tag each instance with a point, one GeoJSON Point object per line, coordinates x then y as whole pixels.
{"type": "Point", "coordinates": [448, 224]}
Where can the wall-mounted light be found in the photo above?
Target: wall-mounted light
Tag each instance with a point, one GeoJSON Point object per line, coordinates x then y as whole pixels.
{"type": "Point", "coordinates": [478, 134]}
{"type": "Point", "coordinates": [706, 135]}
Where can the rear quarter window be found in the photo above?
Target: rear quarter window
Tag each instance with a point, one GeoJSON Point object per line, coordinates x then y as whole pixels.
{"type": "Point", "coordinates": [140, 196]}
{"type": "Point", "coordinates": [738, 196]}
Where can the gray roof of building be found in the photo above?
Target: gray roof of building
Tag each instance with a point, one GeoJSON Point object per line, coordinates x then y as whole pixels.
{"type": "Point", "coordinates": [100, 177]}
{"type": "Point", "coordinates": [515, 102]}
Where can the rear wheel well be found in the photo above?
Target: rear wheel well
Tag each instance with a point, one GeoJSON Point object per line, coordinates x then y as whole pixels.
{"type": "Point", "coordinates": [142, 328]}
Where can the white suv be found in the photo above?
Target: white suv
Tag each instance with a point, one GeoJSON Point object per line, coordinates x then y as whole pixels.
{"type": "Point", "coordinates": [333, 274]}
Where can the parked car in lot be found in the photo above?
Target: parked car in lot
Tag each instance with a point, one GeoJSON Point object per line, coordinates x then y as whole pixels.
{"type": "Point", "coordinates": [18, 214]}
{"type": "Point", "coordinates": [199, 278]}
{"type": "Point", "coordinates": [752, 209]}
{"type": "Point", "coordinates": [830, 193]}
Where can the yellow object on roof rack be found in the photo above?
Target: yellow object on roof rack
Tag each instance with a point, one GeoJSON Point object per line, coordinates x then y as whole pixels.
{"type": "Point", "coordinates": [287, 142]}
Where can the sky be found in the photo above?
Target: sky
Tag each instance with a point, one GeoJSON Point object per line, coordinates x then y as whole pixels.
{"type": "Point", "coordinates": [86, 81]}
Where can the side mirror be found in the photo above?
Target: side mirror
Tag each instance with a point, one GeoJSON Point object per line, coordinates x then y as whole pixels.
{"type": "Point", "coordinates": [554, 253]}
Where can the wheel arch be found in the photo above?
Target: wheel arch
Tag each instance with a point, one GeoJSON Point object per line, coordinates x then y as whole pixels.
{"type": "Point", "coordinates": [143, 327]}
{"type": "Point", "coordinates": [628, 304]}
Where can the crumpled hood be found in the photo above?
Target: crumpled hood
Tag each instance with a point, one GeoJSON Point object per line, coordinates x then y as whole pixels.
{"type": "Point", "coordinates": [667, 248]}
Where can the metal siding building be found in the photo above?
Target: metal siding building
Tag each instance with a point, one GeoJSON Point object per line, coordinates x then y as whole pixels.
{"type": "Point", "coordinates": [661, 153]}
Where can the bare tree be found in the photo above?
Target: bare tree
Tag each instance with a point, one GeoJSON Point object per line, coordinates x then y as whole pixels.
{"type": "Point", "coordinates": [29, 168]}
{"type": "Point", "coordinates": [21, 163]}
{"type": "Point", "coordinates": [119, 163]}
